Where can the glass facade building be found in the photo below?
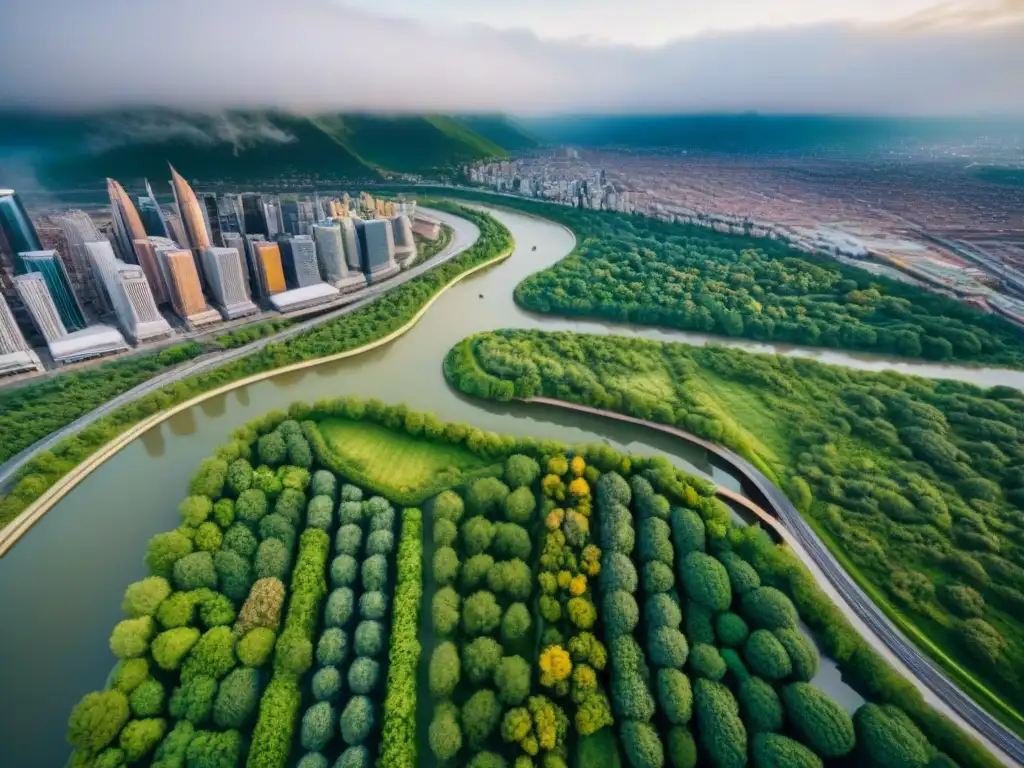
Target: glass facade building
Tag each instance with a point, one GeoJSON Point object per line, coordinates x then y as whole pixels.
{"type": "Point", "coordinates": [17, 226]}
{"type": "Point", "coordinates": [50, 267]}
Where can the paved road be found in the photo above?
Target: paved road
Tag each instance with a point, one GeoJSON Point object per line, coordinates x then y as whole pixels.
{"type": "Point", "coordinates": [1005, 744]}
{"type": "Point", "coordinates": [466, 233]}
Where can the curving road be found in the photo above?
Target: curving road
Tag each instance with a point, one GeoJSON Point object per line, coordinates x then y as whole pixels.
{"type": "Point", "coordinates": [465, 234]}
{"type": "Point", "coordinates": [852, 599]}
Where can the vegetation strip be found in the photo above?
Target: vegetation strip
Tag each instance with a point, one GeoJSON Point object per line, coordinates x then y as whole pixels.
{"type": "Point", "coordinates": [391, 315]}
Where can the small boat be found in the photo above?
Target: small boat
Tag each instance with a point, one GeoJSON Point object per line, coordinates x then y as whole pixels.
{"type": "Point", "coordinates": [535, 247]}
{"type": "Point", "coordinates": [481, 295]}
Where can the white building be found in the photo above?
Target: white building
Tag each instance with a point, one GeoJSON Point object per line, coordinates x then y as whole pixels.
{"type": "Point", "coordinates": [304, 298]}
{"type": "Point", "coordinates": [300, 263]}
{"type": "Point", "coordinates": [129, 294]}
{"type": "Point", "coordinates": [35, 295]}
{"type": "Point", "coordinates": [16, 356]}
{"type": "Point", "coordinates": [227, 277]}
{"type": "Point", "coordinates": [78, 229]}
{"type": "Point", "coordinates": [424, 226]}
{"type": "Point", "coordinates": [330, 250]}
{"type": "Point", "coordinates": [237, 242]}
{"type": "Point", "coordinates": [353, 249]}
{"type": "Point", "coordinates": [405, 243]}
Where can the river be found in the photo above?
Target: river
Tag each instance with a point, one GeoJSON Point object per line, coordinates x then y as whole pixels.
{"type": "Point", "coordinates": [61, 586]}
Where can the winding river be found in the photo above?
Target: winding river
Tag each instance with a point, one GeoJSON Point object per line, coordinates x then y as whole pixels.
{"type": "Point", "coordinates": [61, 586]}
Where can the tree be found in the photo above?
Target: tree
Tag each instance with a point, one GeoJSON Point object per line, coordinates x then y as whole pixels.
{"type": "Point", "coordinates": [324, 483]}
{"type": "Point", "coordinates": [706, 581]}
{"type": "Point", "coordinates": [194, 510]}
{"type": "Point", "coordinates": [357, 720]}
{"type": "Point", "coordinates": [687, 532]}
{"type": "Point", "coordinates": [821, 723]}
{"type": "Point", "coordinates": [766, 656]}
{"type": "Point", "coordinates": [251, 506]}
{"type": "Point", "coordinates": [521, 471]}
{"type": "Point", "coordinates": [193, 700]}
{"type": "Point", "coordinates": [147, 700]}
{"type": "Point", "coordinates": [317, 726]}
{"type": "Point", "coordinates": [380, 542]}
{"type": "Point", "coordinates": [224, 513]}
{"type": "Point", "coordinates": [963, 600]}
{"type": "Point", "coordinates": [447, 505]}
{"type": "Point", "coordinates": [326, 685]}
{"type": "Point", "coordinates": [169, 648]}
{"type": "Point", "coordinates": [275, 526]}
{"type": "Point", "coordinates": [802, 653]}
{"type": "Point", "coordinates": [332, 648]}
{"type": "Point", "coordinates": [375, 573]}
{"type": "Point", "coordinates": [237, 699]}
{"type": "Point", "coordinates": [271, 449]}
{"type": "Point", "coordinates": [759, 705]}
{"type": "Point", "coordinates": [662, 611]}
{"type": "Point", "coordinates": [617, 573]}
{"type": "Point", "coordinates": [348, 539]}
{"type": "Point", "coordinates": [582, 612]}
{"type": "Point", "coordinates": [515, 624]}
{"type": "Point", "coordinates": [681, 748]}
{"type": "Point", "coordinates": [213, 654]}
{"type": "Point", "coordinates": [445, 670]}
{"type": "Point", "coordinates": [97, 720]}
{"type": "Point", "coordinates": [446, 533]}
{"type": "Point", "coordinates": [344, 571]}
{"type": "Point", "coordinates": [139, 737]}
{"type": "Point", "coordinates": [164, 550]}
{"type": "Point", "coordinates": [446, 566]}
{"type": "Point", "coordinates": [675, 696]}
{"type": "Point", "coordinates": [481, 614]}
{"type": "Point", "coordinates": [474, 572]}
{"type": "Point", "coordinates": [642, 745]}
{"type": "Point", "coordinates": [888, 738]}
{"type": "Point", "coordinates": [445, 734]}
{"type": "Point", "coordinates": [511, 541]}
{"type": "Point", "coordinates": [477, 534]}
{"type": "Point", "coordinates": [263, 606]}
{"type": "Point", "coordinates": [658, 578]}
{"type": "Point", "coordinates": [667, 647]}
{"type": "Point", "coordinates": [772, 750]}
{"type": "Point", "coordinates": [486, 495]}
{"type": "Point", "coordinates": [233, 574]}
{"type": "Point", "coordinates": [354, 757]}
{"type": "Point", "coordinates": [273, 560]}
{"type": "Point", "coordinates": [982, 640]}
{"type": "Point", "coordinates": [730, 629]}
{"type": "Point", "coordinates": [373, 605]}
{"type": "Point", "coordinates": [480, 657]}
{"type": "Point", "coordinates": [143, 598]}
{"type": "Point", "coordinates": [519, 506]}
{"type": "Point", "coordinates": [131, 637]}
{"type": "Point", "coordinates": [480, 716]}
{"type": "Point", "coordinates": [706, 661]}
{"type": "Point", "coordinates": [768, 608]}
{"type": "Point", "coordinates": [363, 675]}
{"type": "Point", "coordinates": [208, 537]}
{"type": "Point", "coordinates": [555, 666]}
{"type": "Point", "coordinates": [290, 505]}
{"type": "Point", "coordinates": [256, 646]}
{"type": "Point", "coordinates": [445, 610]}
{"type": "Point", "coordinates": [721, 731]}
{"type": "Point", "coordinates": [369, 638]}
{"type": "Point", "coordinates": [621, 614]}
{"type": "Point", "coordinates": [512, 679]}
{"type": "Point", "coordinates": [241, 540]}
{"type": "Point", "coordinates": [320, 512]}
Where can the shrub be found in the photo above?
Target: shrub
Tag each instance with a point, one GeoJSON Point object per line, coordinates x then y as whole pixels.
{"type": "Point", "coordinates": [363, 675]}
{"type": "Point", "coordinates": [375, 573]}
{"type": "Point", "coordinates": [515, 624]}
{"type": "Point", "coordinates": [481, 614]}
{"type": "Point", "coordinates": [617, 573]}
{"type": "Point", "coordinates": [682, 749]}
{"type": "Point", "coordinates": [357, 720]}
{"type": "Point", "coordinates": [271, 449]}
{"type": "Point", "coordinates": [317, 726]}
{"type": "Point", "coordinates": [373, 605]}
{"type": "Point", "coordinates": [730, 629]}
{"type": "Point", "coordinates": [981, 640]}
{"type": "Point", "coordinates": [350, 513]}
{"type": "Point", "coordinates": [802, 652]}
{"type": "Point", "coordinates": [474, 572]}
{"type": "Point", "coordinates": [662, 611]}
{"type": "Point", "coordinates": [445, 670]}
{"type": "Point", "coordinates": [208, 537]}
{"type": "Point", "coordinates": [759, 705]}
{"type": "Point", "coordinates": [383, 521]}
{"type": "Point", "coordinates": [521, 471]}
{"type": "Point", "coordinates": [140, 737]}
{"type": "Point", "coordinates": [237, 699]}
{"type": "Point", "coordinates": [445, 734]}
{"type": "Point", "coordinates": [768, 608]}
{"type": "Point", "coordinates": [734, 664]}
{"type": "Point", "coordinates": [480, 658]}
{"type": "Point", "coordinates": [241, 540]}
{"type": "Point", "coordinates": [340, 607]}
{"type": "Point", "coordinates": [486, 495]}
{"type": "Point", "coordinates": [369, 638]}
{"type": "Point", "coordinates": [687, 532]}
{"type": "Point", "coordinates": [251, 506]}
{"type": "Point", "coordinates": [477, 533]}
{"type": "Point", "coordinates": [447, 505]}
{"type": "Point", "coordinates": [313, 760]}
{"type": "Point", "coordinates": [324, 483]}
{"type": "Point", "coordinates": [766, 656]}
{"type": "Point", "coordinates": [742, 575]}
{"type": "Point", "coordinates": [675, 696]}
{"type": "Point", "coordinates": [97, 719]}
{"type": "Point", "coordinates": [164, 550]}
{"type": "Point", "coordinates": [224, 513]}
{"type": "Point", "coordinates": [582, 612]}
{"type": "Point", "coordinates": [332, 647]}
{"type": "Point", "coordinates": [511, 541]}
{"type": "Point", "coordinates": [171, 753]}
{"type": "Point", "coordinates": [658, 578]}
{"type": "Point", "coordinates": [348, 539]}
{"type": "Point", "coordinates": [721, 731]}
{"type": "Point", "coordinates": [263, 606]}
{"type": "Point", "coordinates": [233, 574]}
{"type": "Point", "coordinates": [143, 598]}
{"type": "Point", "coordinates": [265, 480]}
{"type": "Point", "coordinates": [446, 533]}
{"type": "Point", "coordinates": [169, 648]}
{"type": "Point", "coordinates": [193, 700]}
{"type": "Point", "coordinates": [272, 736]}
{"type": "Point", "coordinates": [667, 647]}
{"type": "Point", "coordinates": [512, 679]}
{"type": "Point", "coordinates": [446, 566]}
{"type": "Point", "coordinates": [129, 674]}
{"type": "Point", "coordinates": [213, 655]}
{"type": "Point", "coordinates": [642, 745]}
{"type": "Point", "coordinates": [621, 614]}
{"type": "Point", "coordinates": [631, 698]}
{"type": "Point", "coordinates": [480, 716]}
{"type": "Point", "coordinates": [706, 661]}
{"type": "Point", "coordinates": [699, 622]}
{"type": "Point", "coordinates": [354, 757]}
{"type": "Point", "coordinates": [210, 749]}
{"type": "Point", "coordinates": [239, 476]}
{"type": "Point", "coordinates": [821, 723]}
{"type": "Point", "coordinates": [520, 506]}
{"type": "Point", "coordinates": [131, 637]}
{"type": "Point", "coordinates": [351, 493]}
{"type": "Point", "coordinates": [344, 570]}
{"type": "Point", "coordinates": [320, 513]}
{"type": "Point", "coordinates": [705, 581]}
{"type": "Point", "coordinates": [147, 700]}
{"type": "Point", "coordinates": [255, 646]}
{"type": "Point", "coordinates": [380, 543]}
{"type": "Point", "coordinates": [293, 652]}
{"type": "Point", "coordinates": [889, 739]}
{"type": "Point", "coordinates": [445, 610]}
{"type": "Point", "coordinates": [617, 533]}
{"type": "Point", "coordinates": [290, 505]}
{"type": "Point", "coordinates": [273, 560]}
{"type": "Point", "coordinates": [194, 510]}
{"type": "Point", "coordinates": [326, 685]}
{"type": "Point", "coordinates": [772, 750]}
{"type": "Point", "coordinates": [654, 541]}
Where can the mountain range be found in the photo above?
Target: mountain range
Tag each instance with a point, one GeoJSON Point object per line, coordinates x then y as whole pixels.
{"type": "Point", "coordinates": [66, 150]}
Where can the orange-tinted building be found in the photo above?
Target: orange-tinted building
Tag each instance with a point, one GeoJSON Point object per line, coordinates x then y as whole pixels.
{"type": "Point", "coordinates": [191, 213]}
{"type": "Point", "coordinates": [127, 222]}
{"type": "Point", "coordinates": [269, 257]}
{"type": "Point", "coordinates": [186, 293]}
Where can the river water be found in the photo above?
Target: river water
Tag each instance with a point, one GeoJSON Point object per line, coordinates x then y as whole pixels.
{"type": "Point", "coordinates": [61, 586]}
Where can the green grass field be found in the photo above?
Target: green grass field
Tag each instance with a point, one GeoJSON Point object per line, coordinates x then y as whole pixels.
{"type": "Point", "coordinates": [395, 464]}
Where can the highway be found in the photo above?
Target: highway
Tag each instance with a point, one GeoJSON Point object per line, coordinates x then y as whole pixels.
{"type": "Point", "coordinates": [465, 234]}
{"type": "Point", "coordinates": [873, 624]}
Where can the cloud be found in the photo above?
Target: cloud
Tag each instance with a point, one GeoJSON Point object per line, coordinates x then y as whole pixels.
{"type": "Point", "coordinates": [241, 131]}
{"type": "Point", "coordinates": [312, 55]}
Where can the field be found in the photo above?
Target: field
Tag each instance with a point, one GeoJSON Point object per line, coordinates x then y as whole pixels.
{"type": "Point", "coordinates": [580, 608]}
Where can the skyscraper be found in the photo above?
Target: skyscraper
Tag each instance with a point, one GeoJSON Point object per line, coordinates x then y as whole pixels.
{"type": "Point", "coordinates": [127, 222]}
{"type": "Point", "coordinates": [17, 226]}
{"type": "Point", "coordinates": [177, 229]}
{"type": "Point", "coordinates": [35, 294]}
{"type": "Point", "coordinates": [272, 217]}
{"type": "Point", "coordinates": [268, 257]}
{"type": "Point", "coordinates": [52, 269]}
{"type": "Point", "coordinates": [231, 215]}
{"type": "Point", "coordinates": [298, 258]}
{"type": "Point", "coordinates": [211, 217]}
{"type": "Point", "coordinates": [16, 355]}
{"type": "Point", "coordinates": [405, 243]}
{"type": "Point", "coordinates": [353, 249]}
{"type": "Point", "coordinates": [129, 293]}
{"type": "Point", "coordinates": [191, 213]}
{"type": "Point", "coordinates": [257, 278]}
{"type": "Point", "coordinates": [186, 293]}
{"type": "Point", "coordinates": [290, 215]}
{"type": "Point", "coordinates": [253, 218]}
{"type": "Point", "coordinates": [226, 277]}
{"type": "Point", "coordinates": [150, 263]}
{"type": "Point", "coordinates": [378, 248]}
{"type": "Point", "coordinates": [78, 229]}
{"type": "Point", "coordinates": [152, 214]}
{"type": "Point", "coordinates": [330, 251]}
{"type": "Point", "coordinates": [237, 242]}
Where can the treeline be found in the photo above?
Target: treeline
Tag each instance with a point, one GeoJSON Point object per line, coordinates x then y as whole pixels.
{"type": "Point", "coordinates": [918, 484]}
{"type": "Point", "coordinates": [376, 320]}
{"type": "Point", "coordinates": [643, 270]}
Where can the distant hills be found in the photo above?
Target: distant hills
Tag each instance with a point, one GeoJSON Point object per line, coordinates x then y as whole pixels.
{"type": "Point", "coordinates": [248, 145]}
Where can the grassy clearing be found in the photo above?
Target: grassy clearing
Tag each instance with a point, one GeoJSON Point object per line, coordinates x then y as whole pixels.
{"type": "Point", "coordinates": [395, 463]}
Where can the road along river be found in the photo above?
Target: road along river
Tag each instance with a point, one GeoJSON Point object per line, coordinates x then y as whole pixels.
{"type": "Point", "coordinates": [61, 585]}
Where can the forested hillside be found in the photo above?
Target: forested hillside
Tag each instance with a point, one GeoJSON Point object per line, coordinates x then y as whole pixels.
{"type": "Point", "coordinates": [918, 485]}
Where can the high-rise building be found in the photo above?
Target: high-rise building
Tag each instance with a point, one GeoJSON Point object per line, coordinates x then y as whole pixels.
{"type": "Point", "coordinates": [150, 263]}
{"type": "Point", "coordinates": [152, 214]}
{"type": "Point", "coordinates": [35, 294]}
{"type": "Point", "coordinates": [378, 248]}
{"type": "Point", "coordinates": [17, 226]}
{"type": "Point", "coordinates": [330, 251]}
{"type": "Point", "coordinates": [290, 215]}
{"type": "Point", "coordinates": [405, 243]}
{"type": "Point", "coordinates": [177, 229]}
{"type": "Point", "coordinates": [272, 217]}
{"type": "Point", "coordinates": [78, 229]}
{"type": "Point", "coordinates": [186, 293]}
{"type": "Point", "coordinates": [191, 212]}
{"type": "Point", "coordinates": [353, 249]}
{"type": "Point", "coordinates": [130, 294]}
{"type": "Point", "coordinates": [127, 222]}
{"type": "Point", "coordinates": [298, 258]}
{"type": "Point", "coordinates": [211, 217]}
{"type": "Point", "coordinates": [226, 277]}
{"type": "Point", "coordinates": [237, 242]}
{"type": "Point", "coordinates": [231, 215]}
{"type": "Point", "coordinates": [254, 221]}
{"type": "Point", "coordinates": [254, 263]}
{"type": "Point", "coordinates": [16, 356]}
{"type": "Point", "coordinates": [49, 265]}
{"type": "Point", "coordinates": [268, 256]}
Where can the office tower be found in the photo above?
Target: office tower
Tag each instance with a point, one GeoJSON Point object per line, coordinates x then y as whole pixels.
{"type": "Point", "coordinates": [405, 243]}
{"type": "Point", "coordinates": [272, 217]}
{"type": "Point", "coordinates": [330, 250]}
{"type": "Point", "coordinates": [49, 265]}
{"type": "Point", "coordinates": [211, 218]}
{"type": "Point", "coordinates": [254, 265]}
{"type": "Point", "coordinates": [16, 356]}
{"type": "Point", "coordinates": [226, 277]}
{"type": "Point", "coordinates": [183, 283]}
{"type": "Point", "coordinates": [231, 215]}
{"type": "Point", "coordinates": [254, 221]}
{"type": "Point", "coordinates": [177, 229]}
{"type": "Point", "coordinates": [318, 209]}
{"type": "Point", "coordinates": [78, 229]}
{"type": "Point", "coordinates": [35, 294]}
{"type": "Point", "coordinates": [378, 248]}
{"type": "Point", "coordinates": [152, 214]}
{"type": "Point", "coordinates": [127, 222]}
{"type": "Point", "coordinates": [290, 216]}
{"type": "Point", "coordinates": [191, 212]}
{"type": "Point", "coordinates": [298, 258]}
{"type": "Point", "coordinates": [268, 256]}
{"type": "Point", "coordinates": [17, 227]}
{"type": "Point", "coordinates": [353, 249]}
{"type": "Point", "coordinates": [130, 294]}
{"type": "Point", "coordinates": [146, 251]}
{"type": "Point", "coordinates": [237, 242]}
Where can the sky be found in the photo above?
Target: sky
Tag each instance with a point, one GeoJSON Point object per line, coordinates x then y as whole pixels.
{"type": "Point", "coordinates": [526, 57]}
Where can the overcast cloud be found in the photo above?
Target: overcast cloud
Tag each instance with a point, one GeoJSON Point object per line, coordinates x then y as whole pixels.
{"type": "Point", "coordinates": [314, 55]}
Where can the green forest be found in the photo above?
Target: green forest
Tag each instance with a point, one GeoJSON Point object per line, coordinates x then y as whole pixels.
{"type": "Point", "coordinates": [917, 484]}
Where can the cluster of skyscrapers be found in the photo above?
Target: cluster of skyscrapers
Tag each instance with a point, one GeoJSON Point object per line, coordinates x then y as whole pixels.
{"type": "Point", "coordinates": [213, 258]}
